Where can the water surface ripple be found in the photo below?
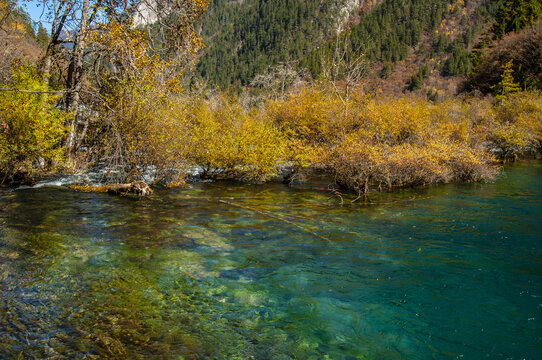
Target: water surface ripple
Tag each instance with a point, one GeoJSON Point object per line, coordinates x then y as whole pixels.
{"type": "Point", "coordinates": [273, 272]}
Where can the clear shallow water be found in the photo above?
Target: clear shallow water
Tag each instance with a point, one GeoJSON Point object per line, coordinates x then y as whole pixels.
{"type": "Point", "coordinates": [278, 273]}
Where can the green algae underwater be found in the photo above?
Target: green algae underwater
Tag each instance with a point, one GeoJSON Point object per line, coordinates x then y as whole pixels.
{"type": "Point", "coordinates": [230, 271]}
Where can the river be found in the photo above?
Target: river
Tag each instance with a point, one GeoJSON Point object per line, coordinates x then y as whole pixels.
{"type": "Point", "coordinates": [232, 271]}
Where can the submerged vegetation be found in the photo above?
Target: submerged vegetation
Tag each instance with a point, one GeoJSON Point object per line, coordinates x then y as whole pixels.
{"type": "Point", "coordinates": [238, 272]}
{"type": "Point", "coordinates": [282, 274]}
{"type": "Point", "coordinates": [116, 99]}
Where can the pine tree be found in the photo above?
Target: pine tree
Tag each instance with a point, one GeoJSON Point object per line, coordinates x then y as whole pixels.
{"type": "Point", "coordinates": [507, 85]}
{"type": "Point", "coordinates": [42, 37]}
{"type": "Point", "coordinates": [515, 15]}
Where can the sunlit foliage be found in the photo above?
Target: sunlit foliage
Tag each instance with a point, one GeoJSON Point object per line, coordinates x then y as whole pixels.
{"type": "Point", "coordinates": [31, 129]}
{"type": "Point", "coordinates": [517, 126]}
{"type": "Point", "coordinates": [231, 143]}
{"type": "Point", "coordinates": [384, 142]}
{"type": "Point", "coordinates": [136, 117]}
{"type": "Point", "coordinates": [138, 132]}
{"type": "Point", "coordinates": [507, 85]}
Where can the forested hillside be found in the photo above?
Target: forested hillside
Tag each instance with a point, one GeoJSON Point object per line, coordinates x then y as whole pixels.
{"type": "Point", "coordinates": [244, 38]}
{"type": "Point", "coordinates": [247, 38]}
{"type": "Point", "coordinates": [20, 37]}
{"type": "Point", "coordinates": [514, 40]}
{"type": "Point", "coordinates": [112, 95]}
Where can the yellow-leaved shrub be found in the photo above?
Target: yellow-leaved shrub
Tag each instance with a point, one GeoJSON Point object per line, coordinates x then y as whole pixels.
{"type": "Point", "coordinates": [142, 135]}
{"type": "Point", "coordinates": [231, 143]}
{"type": "Point", "coordinates": [32, 129]}
{"type": "Point", "coordinates": [384, 142]}
{"type": "Point", "coordinates": [517, 125]}
{"type": "Point", "coordinates": [363, 143]}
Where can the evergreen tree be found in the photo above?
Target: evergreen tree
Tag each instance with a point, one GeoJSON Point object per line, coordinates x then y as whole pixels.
{"type": "Point", "coordinates": [515, 15]}
{"type": "Point", "coordinates": [42, 37]}
{"type": "Point", "coordinates": [507, 85]}
{"type": "Point", "coordinates": [459, 63]}
{"type": "Point", "coordinates": [416, 81]}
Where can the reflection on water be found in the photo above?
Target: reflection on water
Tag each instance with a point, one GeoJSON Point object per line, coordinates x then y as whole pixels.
{"type": "Point", "coordinates": [275, 273]}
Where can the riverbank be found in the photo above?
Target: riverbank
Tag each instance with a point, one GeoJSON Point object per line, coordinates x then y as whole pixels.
{"type": "Point", "coordinates": [312, 179]}
{"type": "Point", "coordinates": [368, 143]}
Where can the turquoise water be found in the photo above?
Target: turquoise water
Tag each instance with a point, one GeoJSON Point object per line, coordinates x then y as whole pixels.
{"type": "Point", "coordinates": [445, 272]}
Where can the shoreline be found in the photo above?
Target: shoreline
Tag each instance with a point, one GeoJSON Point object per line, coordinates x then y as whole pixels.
{"type": "Point", "coordinates": [311, 178]}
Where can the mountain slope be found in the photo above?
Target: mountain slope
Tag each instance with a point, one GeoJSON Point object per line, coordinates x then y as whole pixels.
{"type": "Point", "coordinates": [246, 38]}
{"type": "Point", "coordinates": [19, 38]}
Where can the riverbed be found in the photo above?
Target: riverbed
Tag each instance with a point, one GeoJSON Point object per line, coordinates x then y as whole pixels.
{"type": "Point", "coordinates": [233, 271]}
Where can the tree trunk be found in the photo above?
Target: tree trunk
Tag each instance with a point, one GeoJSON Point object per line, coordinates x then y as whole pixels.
{"type": "Point", "coordinates": [56, 30]}
{"type": "Point", "coordinates": [75, 74]}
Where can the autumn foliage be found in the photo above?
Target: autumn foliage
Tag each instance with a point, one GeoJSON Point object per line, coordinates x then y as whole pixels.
{"type": "Point", "coordinates": [382, 143]}
{"type": "Point", "coordinates": [146, 129]}
{"type": "Point", "coordinates": [229, 142]}
{"type": "Point", "coordinates": [137, 119]}
{"type": "Point", "coordinates": [31, 128]}
{"type": "Point", "coordinates": [370, 143]}
{"type": "Point", "coordinates": [515, 127]}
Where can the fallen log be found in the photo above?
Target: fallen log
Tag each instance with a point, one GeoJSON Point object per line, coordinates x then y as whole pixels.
{"type": "Point", "coordinates": [139, 188]}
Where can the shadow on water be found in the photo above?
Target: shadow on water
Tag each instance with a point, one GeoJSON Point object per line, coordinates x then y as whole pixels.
{"type": "Point", "coordinates": [273, 272]}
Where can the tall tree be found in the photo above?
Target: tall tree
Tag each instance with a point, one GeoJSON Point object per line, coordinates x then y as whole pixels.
{"type": "Point", "coordinates": [163, 30]}
{"type": "Point", "coordinates": [344, 67]}
{"type": "Point", "coordinates": [507, 85]}
{"type": "Point", "coordinates": [515, 15]}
